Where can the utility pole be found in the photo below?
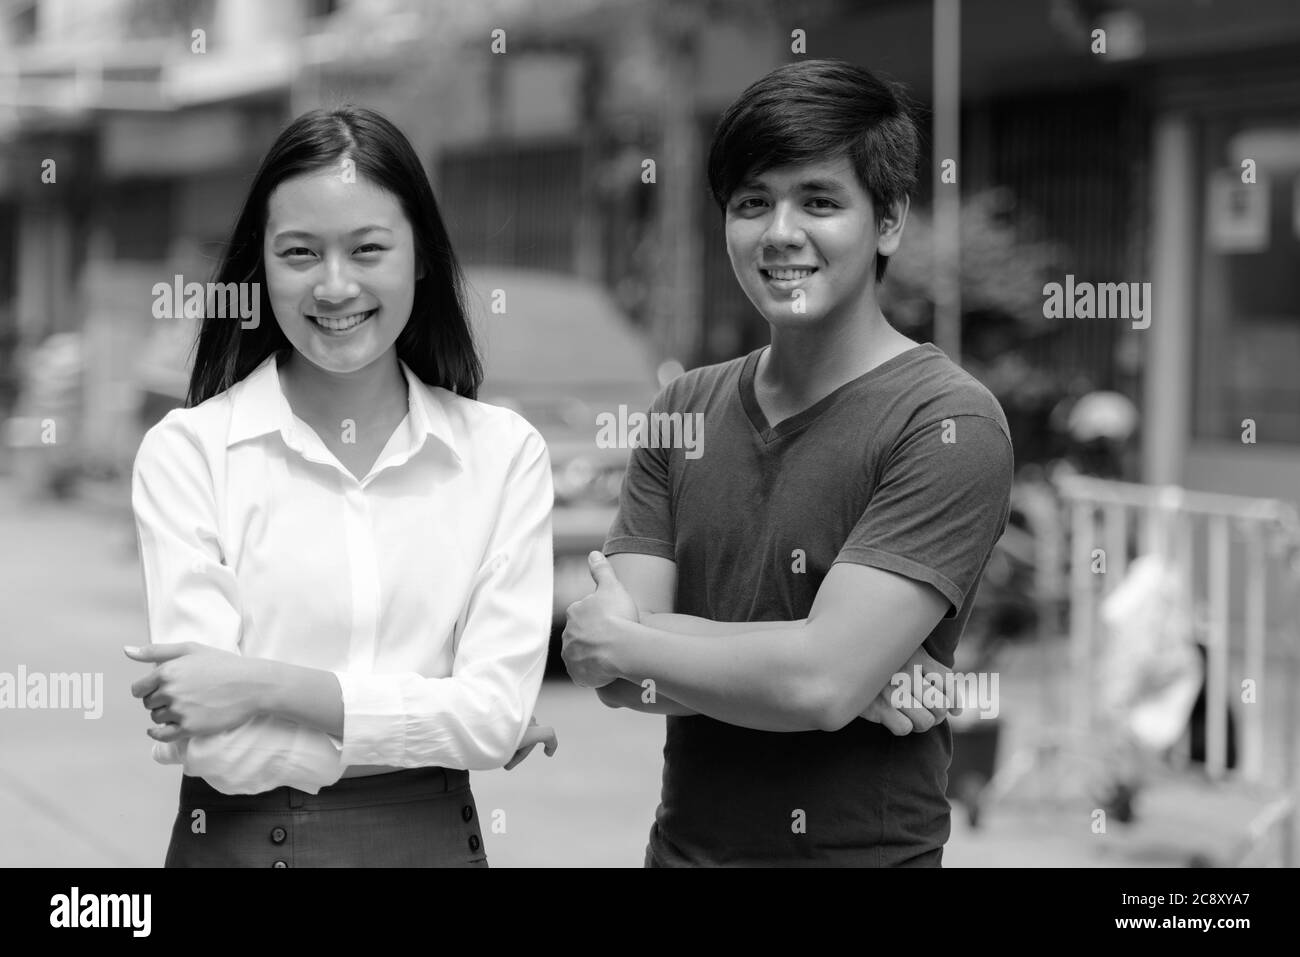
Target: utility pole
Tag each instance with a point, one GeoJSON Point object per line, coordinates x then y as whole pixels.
{"type": "Point", "coordinates": [678, 299]}
{"type": "Point", "coordinates": [947, 196]}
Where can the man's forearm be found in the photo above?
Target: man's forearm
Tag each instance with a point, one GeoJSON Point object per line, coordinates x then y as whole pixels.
{"type": "Point", "coordinates": [762, 678]}
{"type": "Point", "coordinates": [649, 700]}
{"type": "Point", "coordinates": [693, 625]}
{"type": "Point", "coordinates": [624, 694]}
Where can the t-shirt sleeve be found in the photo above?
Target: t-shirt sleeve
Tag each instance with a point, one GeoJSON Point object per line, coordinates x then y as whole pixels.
{"type": "Point", "coordinates": [644, 523]}
{"type": "Point", "coordinates": [941, 503]}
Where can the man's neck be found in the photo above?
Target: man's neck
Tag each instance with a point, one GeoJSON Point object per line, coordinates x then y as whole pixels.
{"type": "Point", "coordinates": [803, 365]}
{"type": "Point", "coordinates": [367, 396]}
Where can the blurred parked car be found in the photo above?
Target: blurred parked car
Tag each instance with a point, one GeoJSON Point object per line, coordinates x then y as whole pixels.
{"type": "Point", "coordinates": [560, 352]}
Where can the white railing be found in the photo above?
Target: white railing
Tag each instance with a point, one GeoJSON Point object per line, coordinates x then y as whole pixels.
{"type": "Point", "coordinates": [1199, 532]}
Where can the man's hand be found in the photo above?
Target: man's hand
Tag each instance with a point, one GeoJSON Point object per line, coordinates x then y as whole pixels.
{"type": "Point", "coordinates": [899, 706]}
{"type": "Point", "coordinates": [196, 689]}
{"type": "Point", "coordinates": [535, 735]}
{"type": "Point", "coordinates": [588, 634]}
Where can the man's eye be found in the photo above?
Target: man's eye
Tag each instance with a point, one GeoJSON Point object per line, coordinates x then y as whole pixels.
{"type": "Point", "coordinates": [821, 202]}
{"type": "Point", "coordinates": [750, 202]}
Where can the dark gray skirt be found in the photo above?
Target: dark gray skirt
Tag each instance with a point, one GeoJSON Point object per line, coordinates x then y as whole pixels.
{"type": "Point", "coordinates": [422, 817]}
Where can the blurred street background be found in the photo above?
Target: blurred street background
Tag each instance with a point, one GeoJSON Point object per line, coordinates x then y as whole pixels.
{"type": "Point", "coordinates": [1104, 143]}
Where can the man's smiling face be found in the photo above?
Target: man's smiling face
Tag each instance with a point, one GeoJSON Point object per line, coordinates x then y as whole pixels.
{"type": "Point", "coordinates": [803, 240]}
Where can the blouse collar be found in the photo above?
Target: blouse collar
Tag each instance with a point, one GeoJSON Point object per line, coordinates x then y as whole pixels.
{"type": "Point", "coordinates": [261, 407]}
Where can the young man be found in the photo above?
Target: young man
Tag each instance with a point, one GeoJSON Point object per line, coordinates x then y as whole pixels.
{"type": "Point", "coordinates": [835, 529]}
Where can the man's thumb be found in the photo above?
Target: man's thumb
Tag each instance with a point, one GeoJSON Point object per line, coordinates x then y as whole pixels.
{"type": "Point", "coordinates": [602, 572]}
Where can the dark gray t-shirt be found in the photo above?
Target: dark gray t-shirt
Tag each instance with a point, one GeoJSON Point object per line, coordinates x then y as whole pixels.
{"type": "Point", "coordinates": [906, 468]}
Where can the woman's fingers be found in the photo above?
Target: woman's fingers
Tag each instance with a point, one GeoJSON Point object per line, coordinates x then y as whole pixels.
{"type": "Point", "coordinates": [143, 686]}
{"type": "Point", "coordinates": [547, 737]}
{"type": "Point", "coordinates": [535, 735]}
{"type": "Point", "coordinates": [164, 715]}
{"type": "Point", "coordinates": [519, 756]}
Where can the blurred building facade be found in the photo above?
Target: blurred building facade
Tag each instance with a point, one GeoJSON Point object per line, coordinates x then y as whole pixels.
{"type": "Point", "coordinates": [536, 121]}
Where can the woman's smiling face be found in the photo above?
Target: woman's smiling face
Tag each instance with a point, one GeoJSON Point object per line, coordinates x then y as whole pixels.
{"type": "Point", "coordinates": [340, 268]}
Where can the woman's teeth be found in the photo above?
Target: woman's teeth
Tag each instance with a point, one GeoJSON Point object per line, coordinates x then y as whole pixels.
{"type": "Point", "coordinates": [800, 273]}
{"type": "Point", "coordinates": [344, 323]}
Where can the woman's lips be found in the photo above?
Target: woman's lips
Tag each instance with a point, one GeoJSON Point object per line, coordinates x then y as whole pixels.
{"type": "Point", "coordinates": [342, 324]}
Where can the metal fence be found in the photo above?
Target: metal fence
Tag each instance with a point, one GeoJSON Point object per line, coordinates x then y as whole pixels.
{"type": "Point", "coordinates": [1239, 559]}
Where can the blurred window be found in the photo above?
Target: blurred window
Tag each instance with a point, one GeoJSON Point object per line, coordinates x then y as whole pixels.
{"type": "Point", "coordinates": [321, 8]}
{"type": "Point", "coordinates": [1248, 330]}
{"type": "Point", "coordinates": [512, 203]}
{"type": "Point", "coordinates": [167, 18]}
{"type": "Point", "coordinates": [22, 21]}
{"type": "Point", "coordinates": [140, 216]}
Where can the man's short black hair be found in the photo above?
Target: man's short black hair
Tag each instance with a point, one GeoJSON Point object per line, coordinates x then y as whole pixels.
{"type": "Point", "coordinates": [813, 110]}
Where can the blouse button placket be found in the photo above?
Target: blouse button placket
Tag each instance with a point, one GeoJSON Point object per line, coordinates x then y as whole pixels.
{"type": "Point", "coordinates": [364, 565]}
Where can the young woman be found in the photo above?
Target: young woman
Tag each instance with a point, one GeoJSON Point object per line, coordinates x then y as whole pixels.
{"type": "Point", "coordinates": [347, 558]}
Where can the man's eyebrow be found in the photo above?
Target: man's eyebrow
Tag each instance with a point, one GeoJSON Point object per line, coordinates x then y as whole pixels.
{"type": "Point", "coordinates": [805, 186]}
{"type": "Point", "coordinates": [303, 234]}
{"type": "Point", "coordinates": [822, 186]}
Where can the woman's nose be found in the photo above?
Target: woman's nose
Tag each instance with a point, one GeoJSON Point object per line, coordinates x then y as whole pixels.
{"type": "Point", "coordinates": [336, 285]}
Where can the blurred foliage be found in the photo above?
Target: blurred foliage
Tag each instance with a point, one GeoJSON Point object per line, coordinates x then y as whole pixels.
{"type": "Point", "coordinates": [1002, 269]}
{"type": "Point", "coordinates": [1004, 266]}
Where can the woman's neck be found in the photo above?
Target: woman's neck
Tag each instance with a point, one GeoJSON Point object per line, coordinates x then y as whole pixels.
{"type": "Point", "coordinates": [366, 396]}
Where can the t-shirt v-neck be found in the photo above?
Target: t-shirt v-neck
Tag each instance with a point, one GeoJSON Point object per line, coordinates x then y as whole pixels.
{"type": "Point", "coordinates": [770, 433]}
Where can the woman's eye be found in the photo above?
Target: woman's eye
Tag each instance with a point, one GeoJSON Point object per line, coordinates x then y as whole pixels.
{"type": "Point", "coordinates": [295, 251]}
{"type": "Point", "coordinates": [370, 247]}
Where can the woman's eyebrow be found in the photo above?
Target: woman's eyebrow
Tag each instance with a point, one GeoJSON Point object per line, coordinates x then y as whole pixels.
{"type": "Point", "coordinates": [303, 234]}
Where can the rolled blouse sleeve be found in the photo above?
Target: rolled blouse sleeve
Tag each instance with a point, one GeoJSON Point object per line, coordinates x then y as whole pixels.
{"type": "Point", "coordinates": [191, 594]}
{"type": "Point", "coordinates": [475, 718]}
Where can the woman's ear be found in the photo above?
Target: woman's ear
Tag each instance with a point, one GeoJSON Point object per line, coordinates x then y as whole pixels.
{"type": "Point", "coordinates": [420, 271]}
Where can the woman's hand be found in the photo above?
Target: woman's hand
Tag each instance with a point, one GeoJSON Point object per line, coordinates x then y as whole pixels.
{"type": "Point", "coordinates": [534, 736]}
{"type": "Point", "coordinates": [196, 689]}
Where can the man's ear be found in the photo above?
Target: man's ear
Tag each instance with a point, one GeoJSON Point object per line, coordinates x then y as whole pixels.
{"type": "Point", "coordinates": [891, 227]}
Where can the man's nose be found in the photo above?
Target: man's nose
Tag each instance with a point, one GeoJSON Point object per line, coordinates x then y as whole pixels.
{"type": "Point", "coordinates": [784, 228]}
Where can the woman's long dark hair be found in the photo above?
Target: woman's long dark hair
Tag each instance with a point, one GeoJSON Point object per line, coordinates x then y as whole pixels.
{"type": "Point", "coordinates": [436, 343]}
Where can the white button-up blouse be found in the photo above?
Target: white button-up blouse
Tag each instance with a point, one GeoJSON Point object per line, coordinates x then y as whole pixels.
{"type": "Point", "coordinates": [425, 587]}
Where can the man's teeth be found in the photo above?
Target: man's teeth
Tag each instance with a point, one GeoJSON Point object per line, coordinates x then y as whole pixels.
{"type": "Point", "coordinates": [790, 273]}
{"type": "Point", "coordinates": [347, 322]}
